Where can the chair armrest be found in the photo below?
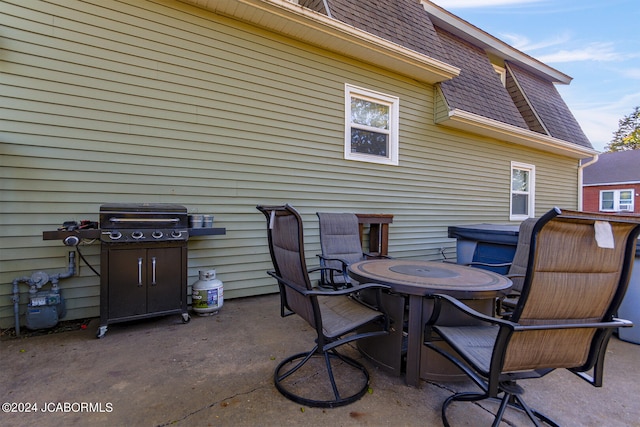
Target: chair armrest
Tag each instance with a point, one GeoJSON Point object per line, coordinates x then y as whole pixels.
{"type": "Point", "coordinates": [314, 269]}
{"type": "Point", "coordinates": [347, 291]}
{"type": "Point", "coordinates": [309, 292]}
{"type": "Point", "coordinates": [477, 263]}
{"type": "Point", "coordinates": [614, 323]}
{"type": "Point", "coordinates": [440, 299]}
{"type": "Point", "coordinates": [370, 255]}
{"type": "Point", "coordinates": [488, 264]}
{"type": "Point", "coordinates": [329, 278]}
{"type": "Point", "coordinates": [326, 258]}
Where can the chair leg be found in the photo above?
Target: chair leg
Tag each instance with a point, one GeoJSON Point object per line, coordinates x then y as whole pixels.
{"type": "Point", "coordinates": [461, 397]}
{"type": "Point", "coordinates": [299, 360]}
{"type": "Point", "coordinates": [291, 371]}
{"type": "Point", "coordinates": [531, 413]}
{"type": "Point", "coordinates": [508, 400]}
{"type": "Point", "coordinates": [503, 406]}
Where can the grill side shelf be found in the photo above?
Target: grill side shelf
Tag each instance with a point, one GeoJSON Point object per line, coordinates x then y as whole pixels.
{"type": "Point", "coordinates": [207, 231]}
{"type": "Point", "coordinates": [62, 234]}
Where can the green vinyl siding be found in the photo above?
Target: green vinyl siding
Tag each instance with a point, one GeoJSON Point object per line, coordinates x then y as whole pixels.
{"type": "Point", "coordinates": [161, 102]}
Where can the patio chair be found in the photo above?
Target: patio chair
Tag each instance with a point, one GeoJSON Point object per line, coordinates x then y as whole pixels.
{"type": "Point", "coordinates": [334, 315]}
{"type": "Point", "coordinates": [517, 268]}
{"type": "Point", "coordinates": [578, 271]}
{"type": "Point", "coordinates": [341, 246]}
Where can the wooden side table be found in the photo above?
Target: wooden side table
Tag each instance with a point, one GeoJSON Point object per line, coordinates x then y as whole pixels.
{"type": "Point", "coordinates": [378, 232]}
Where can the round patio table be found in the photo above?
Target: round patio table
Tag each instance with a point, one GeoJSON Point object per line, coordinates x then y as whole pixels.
{"type": "Point", "coordinates": [417, 279]}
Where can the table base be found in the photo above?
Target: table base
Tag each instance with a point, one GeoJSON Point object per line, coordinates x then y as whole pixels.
{"type": "Point", "coordinates": [391, 352]}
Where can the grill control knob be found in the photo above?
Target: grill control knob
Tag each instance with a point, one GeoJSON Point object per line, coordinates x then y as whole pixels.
{"type": "Point", "coordinates": [115, 235]}
{"type": "Point", "coordinates": [157, 234]}
{"type": "Point", "coordinates": [176, 234]}
{"type": "Point", "coordinates": [137, 235]}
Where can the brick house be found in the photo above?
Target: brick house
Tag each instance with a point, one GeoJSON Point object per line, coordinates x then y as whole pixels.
{"type": "Point", "coordinates": [612, 183]}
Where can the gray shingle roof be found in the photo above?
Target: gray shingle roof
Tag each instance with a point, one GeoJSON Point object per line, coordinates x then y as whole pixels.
{"type": "Point", "coordinates": [478, 88]}
{"type": "Point", "coordinates": [611, 168]}
{"type": "Point", "coordinates": [533, 103]}
{"type": "Point", "coordinates": [404, 22]}
{"type": "Point", "coordinates": [549, 106]}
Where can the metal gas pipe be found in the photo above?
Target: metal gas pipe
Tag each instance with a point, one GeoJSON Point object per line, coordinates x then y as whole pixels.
{"type": "Point", "coordinates": [36, 281]}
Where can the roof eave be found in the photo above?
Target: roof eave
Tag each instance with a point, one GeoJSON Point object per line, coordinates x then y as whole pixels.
{"type": "Point", "coordinates": [461, 28]}
{"type": "Point", "coordinates": [292, 20]}
{"type": "Point", "coordinates": [601, 184]}
{"type": "Point", "coordinates": [476, 124]}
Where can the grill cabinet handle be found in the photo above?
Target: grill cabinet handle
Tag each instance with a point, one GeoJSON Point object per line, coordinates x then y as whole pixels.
{"type": "Point", "coordinates": [139, 271]}
{"type": "Point", "coordinates": [153, 271]}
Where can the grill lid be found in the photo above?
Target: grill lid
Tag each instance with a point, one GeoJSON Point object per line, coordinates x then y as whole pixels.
{"type": "Point", "coordinates": [142, 215]}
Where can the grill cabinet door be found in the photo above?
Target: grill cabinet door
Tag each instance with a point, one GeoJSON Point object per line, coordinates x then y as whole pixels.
{"type": "Point", "coordinates": [127, 287]}
{"type": "Point", "coordinates": [142, 280]}
{"type": "Point", "coordinates": [164, 279]}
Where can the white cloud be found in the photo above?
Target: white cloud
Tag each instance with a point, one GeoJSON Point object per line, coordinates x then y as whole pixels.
{"type": "Point", "coordinates": [597, 51]}
{"type": "Point", "coordinates": [524, 44]}
{"type": "Point", "coordinates": [599, 121]}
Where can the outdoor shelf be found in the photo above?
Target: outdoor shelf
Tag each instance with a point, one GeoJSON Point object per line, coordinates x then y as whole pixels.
{"type": "Point", "coordinates": [90, 233]}
{"type": "Point", "coordinates": [206, 231]}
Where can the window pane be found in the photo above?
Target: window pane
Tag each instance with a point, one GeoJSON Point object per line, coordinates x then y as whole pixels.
{"type": "Point", "coordinates": [607, 205]}
{"type": "Point", "coordinates": [607, 200]}
{"type": "Point", "coordinates": [520, 180]}
{"type": "Point", "coordinates": [369, 113]}
{"type": "Point", "coordinates": [519, 204]}
{"type": "Point", "coordinates": [371, 126]}
{"type": "Point", "coordinates": [366, 142]}
{"type": "Point", "coordinates": [625, 196]}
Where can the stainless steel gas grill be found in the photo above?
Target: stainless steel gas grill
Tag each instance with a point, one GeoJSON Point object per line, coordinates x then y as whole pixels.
{"type": "Point", "coordinates": [142, 223]}
{"type": "Point", "coordinates": [143, 262]}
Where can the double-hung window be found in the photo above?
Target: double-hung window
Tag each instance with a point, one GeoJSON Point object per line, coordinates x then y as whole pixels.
{"type": "Point", "coordinates": [523, 179]}
{"type": "Point", "coordinates": [371, 126]}
{"type": "Point", "coordinates": [616, 200]}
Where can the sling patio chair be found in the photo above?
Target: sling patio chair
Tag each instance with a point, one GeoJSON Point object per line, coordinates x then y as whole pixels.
{"type": "Point", "coordinates": [579, 266]}
{"type": "Point", "coordinates": [340, 244]}
{"type": "Point", "coordinates": [335, 315]}
{"type": "Point", "coordinates": [517, 268]}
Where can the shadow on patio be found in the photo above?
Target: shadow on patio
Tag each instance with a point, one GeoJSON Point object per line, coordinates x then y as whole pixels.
{"type": "Point", "coordinates": [218, 371]}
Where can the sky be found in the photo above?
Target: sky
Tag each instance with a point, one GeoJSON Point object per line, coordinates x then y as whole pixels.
{"type": "Point", "coordinates": [594, 41]}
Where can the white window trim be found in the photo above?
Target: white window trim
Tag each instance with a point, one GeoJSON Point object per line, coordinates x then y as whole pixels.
{"type": "Point", "coordinates": [616, 200]}
{"type": "Point", "coordinates": [532, 190]}
{"type": "Point", "coordinates": [394, 113]}
{"type": "Point", "coordinates": [502, 73]}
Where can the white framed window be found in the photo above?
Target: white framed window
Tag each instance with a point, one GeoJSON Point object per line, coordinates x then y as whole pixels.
{"type": "Point", "coordinates": [371, 126]}
{"type": "Point", "coordinates": [616, 200]}
{"type": "Point", "coordinates": [523, 194]}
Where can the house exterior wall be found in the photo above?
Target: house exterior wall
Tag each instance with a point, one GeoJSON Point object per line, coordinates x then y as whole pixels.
{"type": "Point", "coordinates": [591, 195]}
{"type": "Point", "coordinates": [161, 102]}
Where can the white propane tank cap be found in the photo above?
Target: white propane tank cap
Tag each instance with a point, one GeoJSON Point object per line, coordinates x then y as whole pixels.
{"type": "Point", "coordinates": [207, 274]}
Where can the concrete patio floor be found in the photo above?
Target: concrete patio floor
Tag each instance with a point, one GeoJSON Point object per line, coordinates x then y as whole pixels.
{"type": "Point", "coordinates": [218, 371]}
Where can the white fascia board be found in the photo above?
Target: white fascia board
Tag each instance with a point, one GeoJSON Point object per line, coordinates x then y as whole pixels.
{"type": "Point", "coordinates": [292, 20]}
{"type": "Point", "coordinates": [474, 123]}
{"type": "Point", "coordinates": [612, 183]}
{"type": "Point", "coordinates": [463, 29]}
